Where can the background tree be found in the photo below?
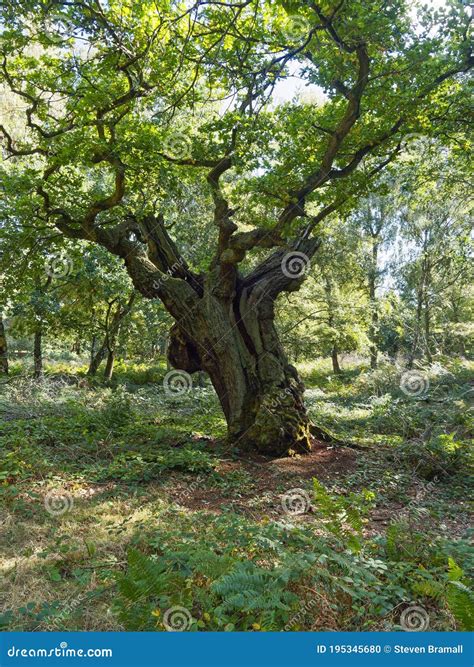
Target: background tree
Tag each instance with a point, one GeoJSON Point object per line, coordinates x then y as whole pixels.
{"type": "Point", "coordinates": [3, 348]}
{"type": "Point", "coordinates": [436, 251]}
{"type": "Point", "coordinates": [375, 221]}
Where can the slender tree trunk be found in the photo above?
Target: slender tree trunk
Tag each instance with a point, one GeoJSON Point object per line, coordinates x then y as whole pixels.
{"type": "Point", "coordinates": [109, 366]}
{"type": "Point", "coordinates": [38, 353]}
{"type": "Point", "coordinates": [427, 310]}
{"type": "Point", "coordinates": [92, 348]}
{"type": "Point", "coordinates": [112, 329]}
{"type": "Point", "coordinates": [3, 348]}
{"type": "Point", "coordinates": [414, 347]}
{"type": "Point", "coordinates": [331, 322]}
{"type": "Point", "coordinates": [335, 361]}
{"type": "Point", "coordinates": [427, 332]}
{"type": "Point", "coordinates": [422, 317]}
{"type": "Point", "coordinates": [374, 314]}
{"type": "Point", "coordinates": [96, 360]}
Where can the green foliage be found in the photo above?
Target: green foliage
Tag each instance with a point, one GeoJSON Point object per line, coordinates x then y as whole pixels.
{"type": "Point", "coordinates": [133, 466]}
{"type": "Point", "coordinates": [110, 99]}
{"type": "Point", "coordinates": [145, 586]}
{"type": "Point", "coordinates": [89, 435]}
{"type": "Point", "coordinates": [219, 589]}
{"type": "Point", "coordinates": [261, 579]}
{"type": "Point", "coordinates": [240, 564]}
{"type": "Point", "coordinates": [403, 543]}
{"type": "Point", "coordinates": [250, 589]}
{"type": "Point", "coordinates": [343, 516]}
{"type": "Point", "coordinates": [440, 456]}
{"type": "Point", "coordinates": [460, 597]}
{"type": "Point", "coordinates": [13, 465]}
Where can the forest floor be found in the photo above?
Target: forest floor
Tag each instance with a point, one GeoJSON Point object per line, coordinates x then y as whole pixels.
{"type": "Point", "coordinates": [121, 502]}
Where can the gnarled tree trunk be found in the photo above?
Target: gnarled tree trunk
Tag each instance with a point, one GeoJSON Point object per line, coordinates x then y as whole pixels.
{"type": "Point", "coordinates": [259, 391]}
{"type": "Point", "coordinates": [235, 341]}
{"type": "Point", "coordinates": [225, 324]}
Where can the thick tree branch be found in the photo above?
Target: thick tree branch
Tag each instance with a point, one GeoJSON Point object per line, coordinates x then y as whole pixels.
{"type": "Point", "coordinates": [343, 128]}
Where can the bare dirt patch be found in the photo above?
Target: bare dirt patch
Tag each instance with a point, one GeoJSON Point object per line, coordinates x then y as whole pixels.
{"type": "Point", "coordinates": [268, 479]}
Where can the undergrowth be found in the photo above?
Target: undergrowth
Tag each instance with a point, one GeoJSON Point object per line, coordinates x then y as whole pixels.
{"type": "Point", "coordinates": [132, 545]}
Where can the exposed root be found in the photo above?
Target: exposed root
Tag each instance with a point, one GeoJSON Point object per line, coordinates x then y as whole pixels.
{"type": "Point", "coordinates": [326, 436]}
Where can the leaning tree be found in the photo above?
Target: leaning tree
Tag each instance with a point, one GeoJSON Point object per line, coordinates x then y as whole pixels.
{"type": "Point", "coordinates": [130, 104]}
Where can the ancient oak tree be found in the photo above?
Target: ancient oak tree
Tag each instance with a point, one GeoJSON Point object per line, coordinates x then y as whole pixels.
{"type": "Point", "coordinates": [132, 109]}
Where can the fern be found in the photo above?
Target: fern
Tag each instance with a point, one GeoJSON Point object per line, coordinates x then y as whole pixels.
{"type": "Point", "coordinates": [460, 597]}
{"type": "Point", "coordinates": [248, 588]}
{"type": "Point", "coordinates": [404, 544]}
{"type": "Point", "coordinates": [343, 516]}
{"type": "Point", "coordinates": [146, 585]}
{"type": "Point", "coordinates": [429, 589]}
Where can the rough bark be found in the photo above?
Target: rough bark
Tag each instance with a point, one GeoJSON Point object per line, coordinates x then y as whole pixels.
{"type": "Point", "coordinates": [38, 353]}
{"type": "Point", "coordinates": [3, 348]}
{"type": "Point", "coordinates": [109, 366]}
{"type": "Point", "coordinates": [331, 322]}
{"type": "Point", "coordinates": [336, 368]}
{"type": "Point", "coordinates": [374, 313]}
{"type": "Point", "coordinates": [235, 341]}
